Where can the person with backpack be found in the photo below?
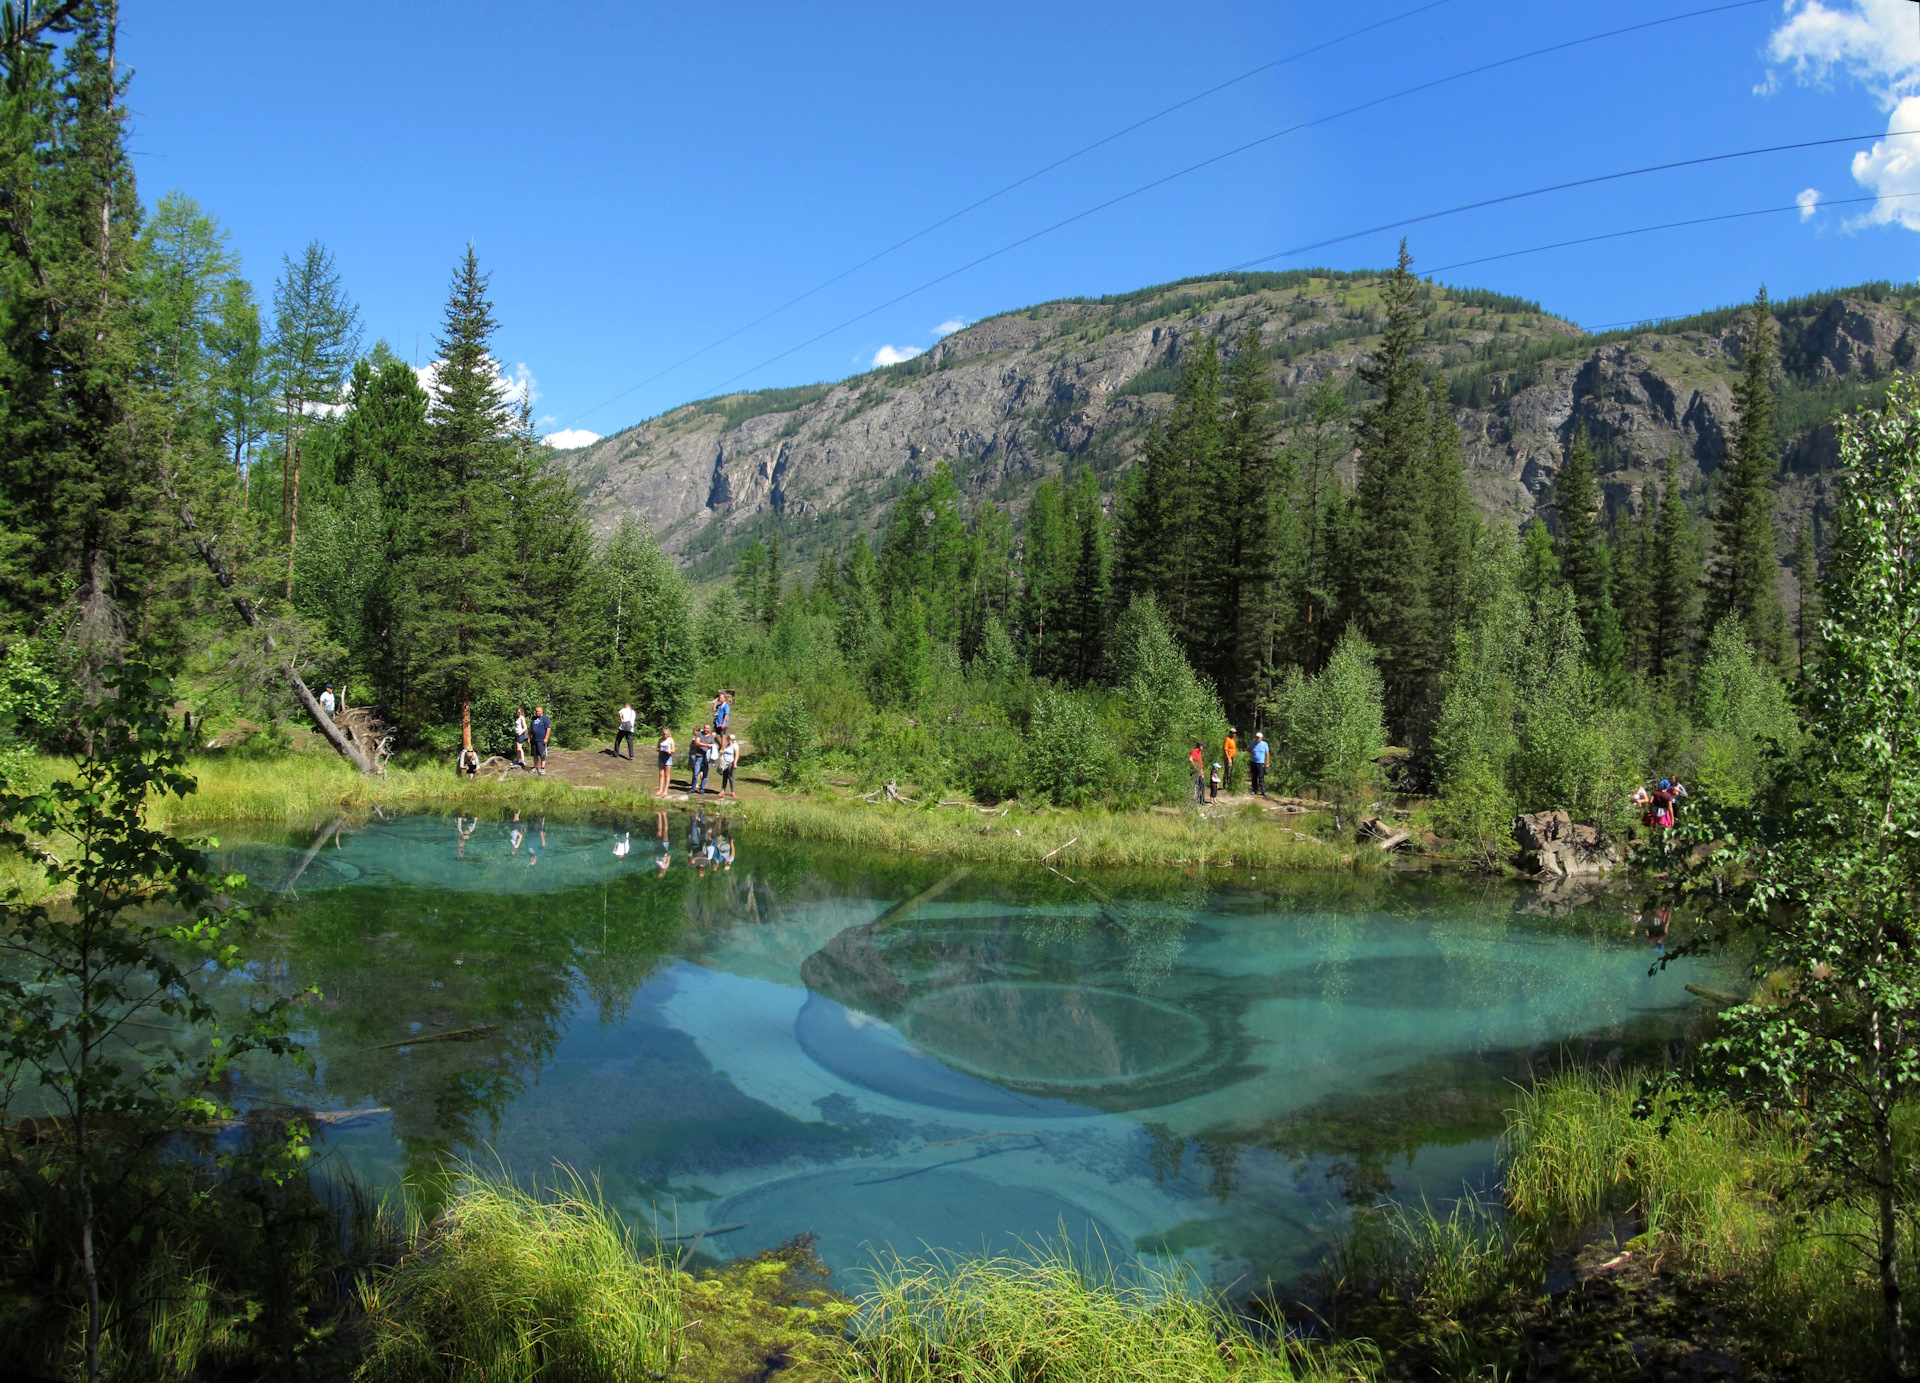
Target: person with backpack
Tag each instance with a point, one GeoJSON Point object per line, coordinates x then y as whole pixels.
{"type": "Point", "coordinates": [537, 734]}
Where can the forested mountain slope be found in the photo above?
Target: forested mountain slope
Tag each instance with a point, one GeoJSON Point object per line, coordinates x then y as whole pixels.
{"type": "Point", "coordinates": [1028, 394]}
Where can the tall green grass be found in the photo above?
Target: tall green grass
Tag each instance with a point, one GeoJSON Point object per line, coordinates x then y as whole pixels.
{"type": "Point", "coordinates": [1697, 1190]}
{"type": "Point", "coordinates": [511, 1286]}
{"type": "Point", "coordinates": [1055, 1318]}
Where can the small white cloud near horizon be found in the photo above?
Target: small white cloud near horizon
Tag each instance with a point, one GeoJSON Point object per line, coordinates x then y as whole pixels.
{"type": "Point", "coordinates": [570, 438]}
{"type": "Point", "coordinates": [514, 388]}
{"type": "Point", "coordinates": [893, 355]}
{"type": "Point", "coordinates": [948, 327]}
{"type": "Point", "coordinates": [1875, 42]}
{"type": "Point", "coordinates": [1809, 202]}
{"type": "Point", "coordinates": [1892, 169]}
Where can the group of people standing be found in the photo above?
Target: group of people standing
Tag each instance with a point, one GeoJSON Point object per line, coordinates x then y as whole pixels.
{"type": "Point", "coordinates": [713, 747]}
{"type": "Point", "coordinates": [1207, 786]}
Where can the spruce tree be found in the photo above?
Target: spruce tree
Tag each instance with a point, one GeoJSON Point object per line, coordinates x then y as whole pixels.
{"type": "Point", "coordinates": [1583, 560]}
{"type": "Point", "coordinates": [1806, 568]}
{"type": "Point", "coordinates": [1539, 567]}
{"type": "Point", "coordinates": [1244, 550]}
{"type": "Point", "coordinates": [1452, 525]}
{"type": "Point", "coordinates": [1674, 581]}
{"type": "Point", "coordinates": [1086, 597]}
{"type": "Point", "coordinates": [1318, 445]}
{"type": "Point", "coordinates": [459, 589]}
{"type": "Point", "coordinates": [1631, 560]}
{"type": "Point", "coordinates": [748, 587]}
{"type": "Point", "coordinates": [772, 590]}
{"type": "Point", "coordinates": [1392, 572]}
{"type": "Point", "coordinates": [1744, 581]}
{"type": "Point", "coordinates": [1047, 561]}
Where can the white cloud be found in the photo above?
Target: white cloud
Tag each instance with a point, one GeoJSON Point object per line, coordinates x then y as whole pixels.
{"type": "Point", "coordinates": [567, 438]}
{"type": "Point", "coordinates": [514, 387]}
{"type": "Point", "coordinates": [1875, 42]}
{"type": "Point", "coordinates": [948, 327]}
{"type": "Point", "coordinates": [1809, 201]}
{"type": "Point", "coordinates": [1892, 169]}
{"type": "Point", "coordinates": [893, 355]}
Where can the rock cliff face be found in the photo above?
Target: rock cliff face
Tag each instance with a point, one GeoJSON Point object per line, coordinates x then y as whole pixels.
{"type": "Point", "coordinates": [1013, 399]}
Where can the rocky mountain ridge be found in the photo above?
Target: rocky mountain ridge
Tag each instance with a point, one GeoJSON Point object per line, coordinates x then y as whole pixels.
{"type": "Point", "coordinates": [1027, 394]}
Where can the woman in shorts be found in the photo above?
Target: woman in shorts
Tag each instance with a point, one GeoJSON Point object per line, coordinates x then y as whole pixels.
{"type": "Point", "coordinates": [666, 760]}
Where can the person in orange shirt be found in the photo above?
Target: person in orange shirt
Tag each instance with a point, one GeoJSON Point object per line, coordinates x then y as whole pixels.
{"type": "Point", "coordinates": [1198, 758]}
{"type": "Point", "coordinates": [1231, 749]}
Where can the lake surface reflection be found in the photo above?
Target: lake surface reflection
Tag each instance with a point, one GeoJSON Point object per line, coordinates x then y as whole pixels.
{"type": "Point", "coordinates": [756, 1041]}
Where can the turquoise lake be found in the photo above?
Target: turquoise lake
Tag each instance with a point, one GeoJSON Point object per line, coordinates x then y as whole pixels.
{"type": "Point", "coordinates": [746, 1041]}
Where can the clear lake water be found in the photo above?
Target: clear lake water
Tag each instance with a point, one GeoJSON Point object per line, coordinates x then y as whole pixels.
{"type": "Point", "coordinates": [747, 1041]}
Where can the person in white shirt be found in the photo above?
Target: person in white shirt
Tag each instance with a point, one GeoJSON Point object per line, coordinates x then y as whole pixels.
{"type": "Point", "coordinates": [627, 721]}
{"type": "Point", "coordinates": [326, 700]}
{"type": "Point", "coordinates": [666, 760]}
{"type": "Point", "coordinates": [520, 735]}
{"type": "Point", "coordinates": [729, 755]}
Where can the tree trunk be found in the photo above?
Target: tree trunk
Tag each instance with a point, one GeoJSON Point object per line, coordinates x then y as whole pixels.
{"type": "Point", "coordinates": [211, 556]}
{"type": "Point", "coordinates": [466, 727]}
{"type": "Point", "coordinates": [1889, 1242]}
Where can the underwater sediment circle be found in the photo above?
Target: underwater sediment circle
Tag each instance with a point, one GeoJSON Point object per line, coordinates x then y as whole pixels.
{"type": "Point", "coordinates": [1044, 1035]}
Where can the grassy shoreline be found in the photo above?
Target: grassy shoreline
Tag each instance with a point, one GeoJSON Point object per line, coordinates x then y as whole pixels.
{"type": "Point", "coordinates": [301, 785]}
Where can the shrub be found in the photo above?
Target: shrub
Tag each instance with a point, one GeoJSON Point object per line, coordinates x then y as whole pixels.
{"type": "Point", "coordinates": [1068, 754]}
{"type": "Point", "coordinates": [1330, 729]}
{"type": "Point", "coordinates": [1741, 706]}
{"type": "Point", "coordinates": [786, 737]}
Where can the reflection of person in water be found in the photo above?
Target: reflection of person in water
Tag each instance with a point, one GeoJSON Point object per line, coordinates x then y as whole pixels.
{"type": "Point", "coordinates": [622, 843]}
{"type": "Point", "coordinates": [465, 829]}
{"type": "Point", "coordinates": [533, 850]}
{"type": "Point", "coordinates": [697, 841]}
{"type": "Point", "coordinates": [664, 841]}
{"type": "Point", "coordinates": [722, 845]}
{"type": "Point", "coordinates": [1655, 922]}
{"type": "Point", "coordinates": [515, 834]}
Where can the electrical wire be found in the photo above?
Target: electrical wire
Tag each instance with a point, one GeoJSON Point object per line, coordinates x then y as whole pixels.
{"type": "Point", "coordinates": [1665, 225]}
{"type": "Point", "coordinates": [973, 206]}
{"type": "Point", "coordinates": [1564, 186]}
{"type": "Point", "coordinates": [1207, 163]}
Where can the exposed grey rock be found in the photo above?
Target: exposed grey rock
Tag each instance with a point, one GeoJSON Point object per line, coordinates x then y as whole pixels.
{"type": "Point", "coordinates": [1013, 399]}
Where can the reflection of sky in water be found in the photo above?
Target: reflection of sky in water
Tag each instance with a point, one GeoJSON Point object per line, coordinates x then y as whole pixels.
{"type": "Point", "coordinates": [753, 1052]}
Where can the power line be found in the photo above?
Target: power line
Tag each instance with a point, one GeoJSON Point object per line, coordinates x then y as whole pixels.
{"type": "Point", "coordinates": [1665, 225]}
{"type": "Point", "coordinates": [1015, 184]}
{"type": "Point", "coordinates": [1217, 158]}
{"type": "Point", "coordinates": [1564, 186]}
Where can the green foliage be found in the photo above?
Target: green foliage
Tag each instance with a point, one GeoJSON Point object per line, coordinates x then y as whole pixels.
{"type": "Point", "coordinates": [1170, 706]}
{"type": "Point", "coordinates": [786, 736]}
{"type": "Point", "coordinates": [86, 981]}
{"type": "Point", "coordinates": [1068, 754]}
{"type": "Point", "coordinates": [1329, 730]}
{"type": "Point", "coordinates": [1745, 577]}
{"type": "Point", "coordinates": [1741, 705]}
{"type": "Point", "coordinates": [900, 670]}
{"type": "Point", "coordinates": [511, 1285]}
{"type": "Point", "coordinates": [647, 621]}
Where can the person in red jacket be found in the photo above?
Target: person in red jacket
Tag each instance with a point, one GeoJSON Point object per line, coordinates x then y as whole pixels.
{"type": "Point", "coordinates": [1198, 758]}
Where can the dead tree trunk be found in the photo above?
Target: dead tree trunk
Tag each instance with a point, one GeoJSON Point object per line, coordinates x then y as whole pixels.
{"type": "Point", "coordinates": [222, 574]}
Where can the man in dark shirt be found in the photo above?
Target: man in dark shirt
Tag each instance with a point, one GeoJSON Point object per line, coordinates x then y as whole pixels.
{"type": "Point", "coordinates": [537, 733]}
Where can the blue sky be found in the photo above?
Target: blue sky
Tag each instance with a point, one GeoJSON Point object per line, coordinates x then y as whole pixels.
{"type": "Point", "coordinates": [641, 180]}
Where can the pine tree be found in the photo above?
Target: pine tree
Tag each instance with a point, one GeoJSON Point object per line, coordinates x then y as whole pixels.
{"type": "Point", "coordinates": [1631, 561]}
{"type": "Point", "coordinates": [1744, 582]}
{"type": "Point", "coordinates": [1393, 571]}
{"type": "Point", "coordinates": [748, 587]}
{"type": "Point", "coordinates": [857, 626]}
{"type": "Point", "coordinates": [455, 607]}
{"type": "Point", "coordinates": [1539, 567]}
{"type": "Point", "coordinates": [1046, 567]}
{"type": "Point", "coordinates": [1674, 581]}
{"type": "Point", "coordinates": [772, 591]}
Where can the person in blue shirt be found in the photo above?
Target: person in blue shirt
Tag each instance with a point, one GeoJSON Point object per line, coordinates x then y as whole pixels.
{"type": "Point", "coordinates": [537, 733]}
{"type": "Point", "coordinates": [722, 710]}
{"type": "Point", "coordinates": [1260, 752]}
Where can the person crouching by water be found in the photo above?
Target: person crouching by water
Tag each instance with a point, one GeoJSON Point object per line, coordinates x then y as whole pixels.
{"type": "Point", "coordinates": [1657, 806]}
{"type": "Point", "coordinates": [666, 761]}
